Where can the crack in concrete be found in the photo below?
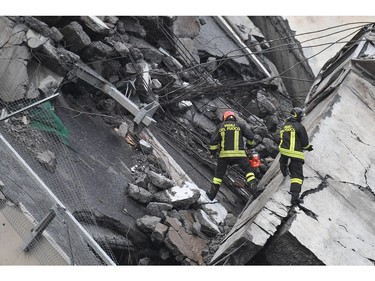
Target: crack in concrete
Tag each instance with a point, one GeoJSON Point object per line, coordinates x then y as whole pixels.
{"type": "Point", "coordinates": [366, 189]}
{"type": "Point", "coordinates": [348, 148]}
{"type": "Point", "coordinates": [262, 228]}
{"type": "Point", "coordinates": [321, 186]}
{"type": "Point", "coordinates": [342, 245]}
{"type": "Point", "coordinates": [344, 227]}
{"type": "Point", "coordinates": [309, 213]}
{"type": "Point", "coordinates": [274, 213]}
{"type": "Point", "coordinates": [358, 138]}
{"type": "Point", "coordinates": [365, 175]}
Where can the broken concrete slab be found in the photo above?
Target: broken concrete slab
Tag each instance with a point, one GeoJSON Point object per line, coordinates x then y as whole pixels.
{"type": "Point", "coordinates": [207, 226]}
{"type": "Point", "coordinates": [330, 220]}
{"type": "Point", "coordinates": [156, 208]}
{"type": "Point", "coordinates": [150, 53]}
{"type": "Point", "coordinates": [131, 25]}
{"type": "Point", "coordinates": [14, 73]}
{"type": "Point", "coordinates": [160, 181]}
{"type": "Point", "coordinates": [183, 245]}
{"type": "Point", "coordinates": [140, 194]}
{"type": "Point", "coordinates": [95, 26]}
{"type": "Point", "coordinates": [266, 106]}
{"type": "Point", "coordinates": [187, 219]}
{"type": "Point", "coordinates": [216, 212]}
{"type": "Point", "coordinates": [56, 58]}
{"type": "Point", "coordinates": [145, 79]}
{"type": "Point", "coordinates": [158, 235]}
{"type": "Point", "coordinates": [96, 50]}
{"type": "Point", "coordinates": [34, 39]}
{"type": "Point", "coordinates": [75, 37]}
{"type": "Point", "coordinates": [121, 48]}
{"type": "Point", "coordinates": [40, 27]}
{"type": "Point", "coordinates": [245, 29]}
{"type": "Point", "coordinates": [136, 54]}
{"type": "Point", "coordinates": [186, 27]}
{"type": "Point", "coordinates": [56, 35]}
{"type": "Point", "coordinates": [162, 197]}
{"type": "Point", "coordinates": [148, 223]}
{"type": "Point", "coordinates": [183, 197]}
{"type": "Point", "coordinates": [179, 244]}
{"type": "Point", "coordinates": [110, 20]}
{"type": "Point", "coordinates": [191, 54]}
{"type": "Point", "coordinates": [142, 181]}
{"type": "Point", "coordinates": [173, 222]}
{"type": "Point", "coordinates": [211, 41]}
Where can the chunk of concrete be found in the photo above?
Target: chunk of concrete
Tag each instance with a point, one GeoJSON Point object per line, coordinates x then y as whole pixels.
{"type": "Point", "coordinates": [160, 181]}
{"type": "Point", "coordinates": [158, 235]}
{"type": "Point", "coordinates": [48, 160]}
{"type": "Point", "coordinates": [140, 194]}
{"type": "Point", "coordinates": [75, 37]}
{"type": "Point", "coordinates": [207, 226]}
{"type": "Point", "coordinates": [147, 223]}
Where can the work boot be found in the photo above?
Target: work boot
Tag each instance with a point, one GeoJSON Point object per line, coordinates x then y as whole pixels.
{"type": "Point", "coordinates": [253, 189]}
{"type": "Point", "coordinates": [211, 194]}
{"type": "Point", "coordinates": [295, 200]}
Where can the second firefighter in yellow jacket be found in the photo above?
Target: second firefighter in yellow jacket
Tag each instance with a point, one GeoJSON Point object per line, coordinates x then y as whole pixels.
{"type": "Point", "coordinates": [228, 140]}
{"type": "Point", "coordinates": [293, 141]}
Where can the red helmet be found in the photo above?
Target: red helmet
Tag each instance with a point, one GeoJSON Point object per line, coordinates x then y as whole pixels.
{"type": "Point", "coordinates": [227, 114]}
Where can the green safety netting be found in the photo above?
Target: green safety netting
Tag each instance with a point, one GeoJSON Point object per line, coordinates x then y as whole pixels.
{"type": "Point", "coordinates": [44, 118]}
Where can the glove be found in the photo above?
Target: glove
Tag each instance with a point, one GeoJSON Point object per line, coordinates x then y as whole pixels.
{"type": "Point", "coordinates": [248, 145]}
{"type": "Point", "coordinates": [310, 148]}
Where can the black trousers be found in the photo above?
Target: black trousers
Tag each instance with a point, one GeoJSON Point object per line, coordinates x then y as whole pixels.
{"type": "Point", "coordinates": [242, 162]}
{"type": "Point", "coordinates": [295, 166]}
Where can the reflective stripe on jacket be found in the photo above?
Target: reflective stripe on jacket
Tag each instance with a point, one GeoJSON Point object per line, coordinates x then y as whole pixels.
{"type": "Point", "coordinates": [229, 138]}
{"type": "Point", "coordinates": [293, 139]}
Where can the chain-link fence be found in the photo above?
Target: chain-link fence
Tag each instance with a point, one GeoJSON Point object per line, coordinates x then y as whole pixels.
{"type": "Point", "coordinates": [39, 177]}
{"type": "Point", "coordinates": [48, 197]}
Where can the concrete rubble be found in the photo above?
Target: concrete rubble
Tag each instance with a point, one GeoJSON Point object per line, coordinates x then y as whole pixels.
{"type": "Point", "coordinates": [194, 73]}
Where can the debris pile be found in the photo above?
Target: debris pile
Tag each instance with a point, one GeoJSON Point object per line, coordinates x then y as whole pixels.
{"type": "Point", "coordinates": [180, 221]}
{"type": "Point", "coordinates": [188, 66]}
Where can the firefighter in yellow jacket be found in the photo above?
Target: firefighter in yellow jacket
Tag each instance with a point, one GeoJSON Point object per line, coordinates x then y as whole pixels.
{"type": "Point", "coordinates": [228, 140]}
{"type": "Point", "coordinates": [293, 141]}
